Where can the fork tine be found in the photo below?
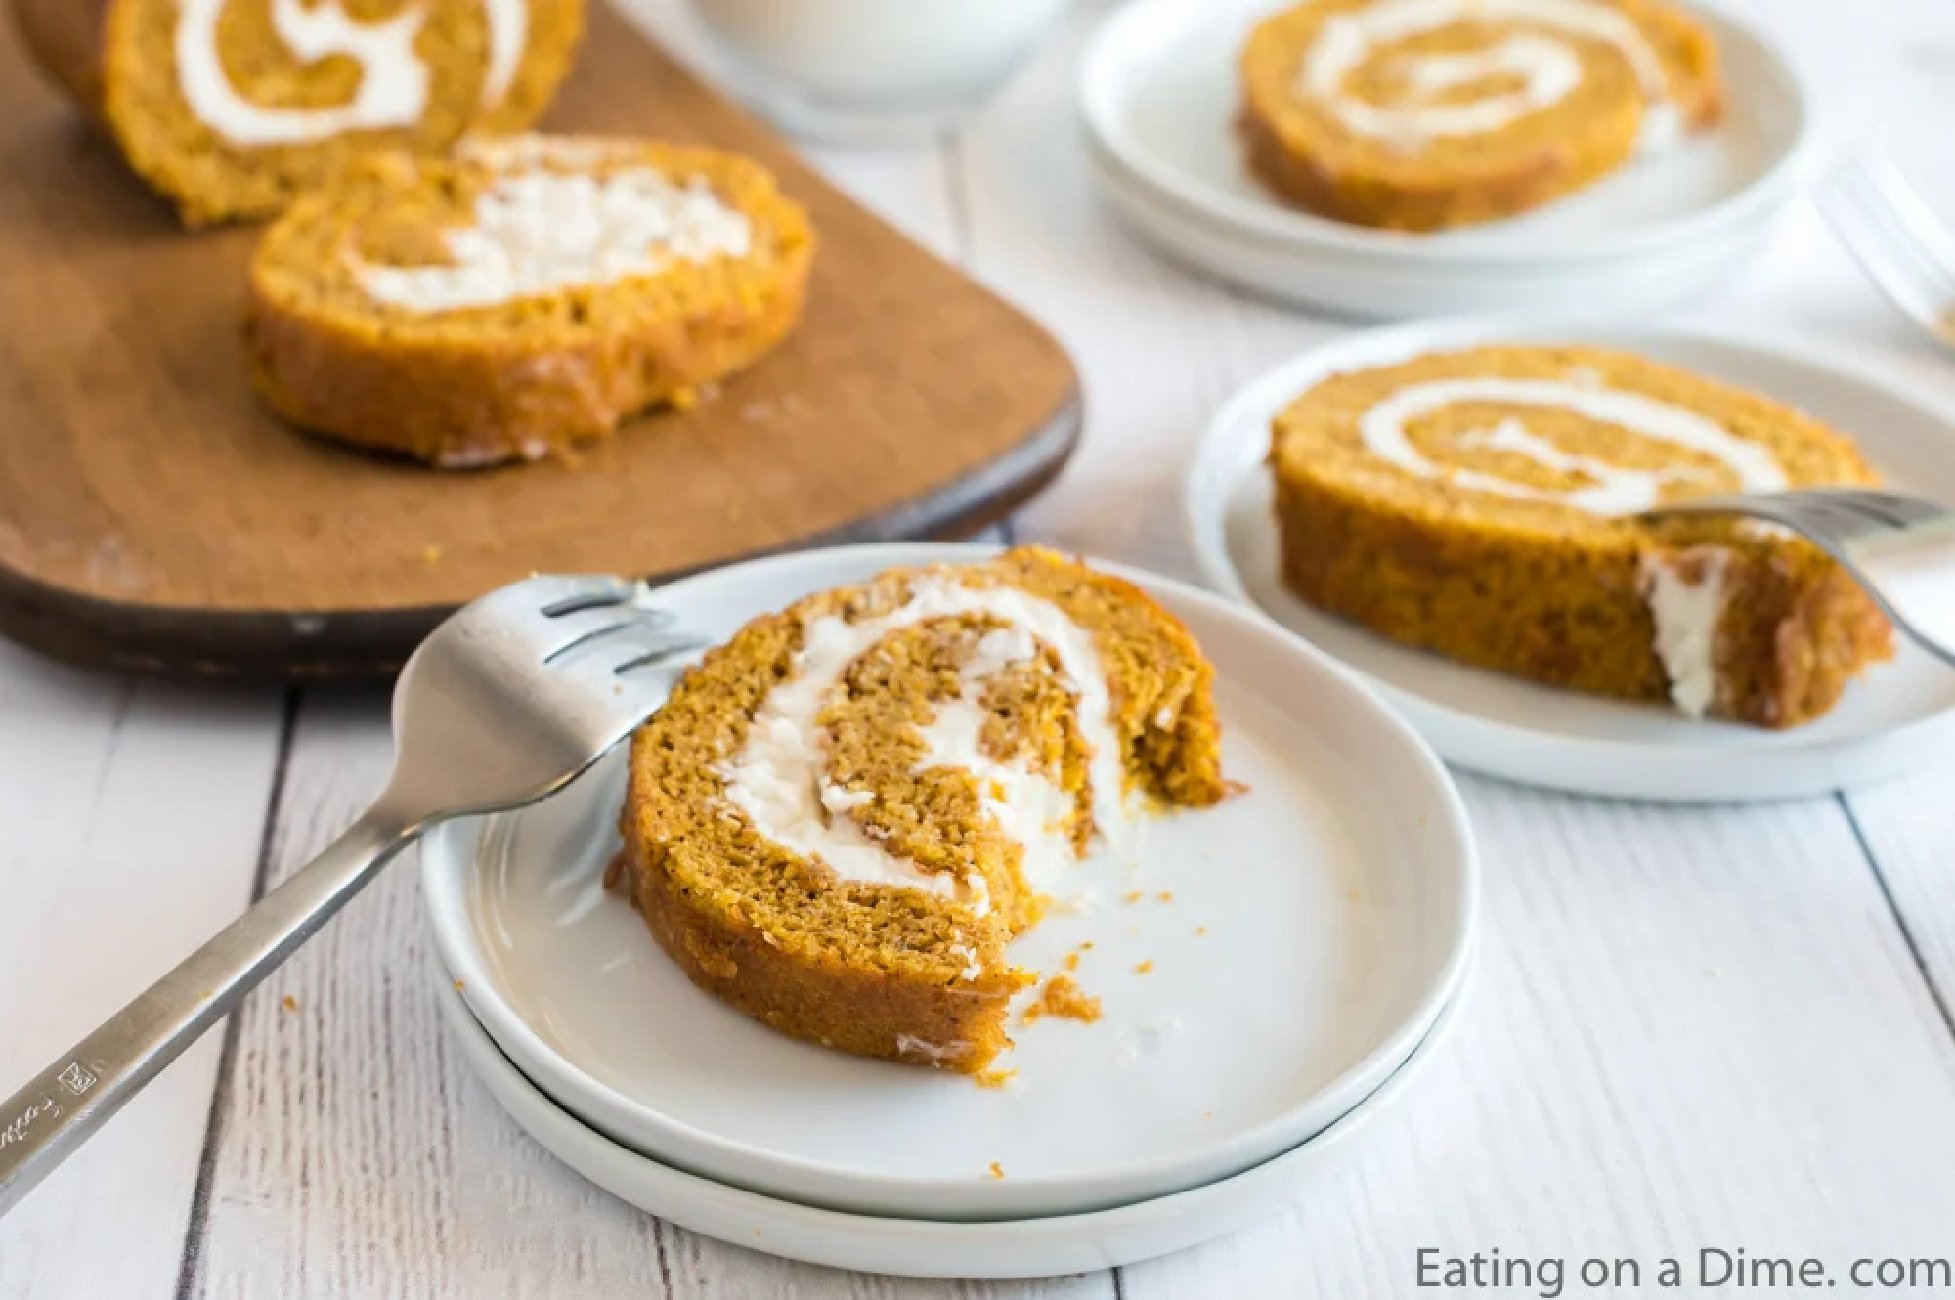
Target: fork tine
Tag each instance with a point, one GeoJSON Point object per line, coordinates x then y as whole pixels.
{"type": "Point", "coordinates": [1889, 509]}
{"type": "Point", "coordinates": [1884, 243]}
{"type": "Point", "coordinates": [1868, 246]}
{"type": "Point", "coordinates": [568, 632]}
{"type": "Point", "coordinates": [662, 652]}
{"type": "Point", "coordinates": [594, 598]}
{"type": "Point", "coordinates": [1919, 220]}
{"type": "Point", "coordinates": [553, 595]}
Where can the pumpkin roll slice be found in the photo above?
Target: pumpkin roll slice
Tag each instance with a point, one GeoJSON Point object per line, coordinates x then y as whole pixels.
{"type": "Point", "coordinates": [231, 108]}
{"type": "Point", "coordinates": [522, 297]}
{"type": "Point", "coordinates": [1421, 115]}
{"type": "Point", "coordinates": [844, 813]}
{"type": "Point", "coordinates": [1481, 504]}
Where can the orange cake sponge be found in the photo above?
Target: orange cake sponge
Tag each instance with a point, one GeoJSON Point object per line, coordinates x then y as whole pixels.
{"type": "Point", "coordinates": [1479, 504]}
{"type": "Point", "coordinates": [845, 812]}
{"type": "Point", "coordinates": [1421, 115]}
{"type": "Point", "coordinates": [232, 108]}
{"type": "Point", "coordinates": [524, 296]}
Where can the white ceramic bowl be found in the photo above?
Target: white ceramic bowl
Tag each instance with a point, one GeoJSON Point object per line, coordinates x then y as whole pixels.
{"type": "Point", "coordinates": [1899, 717]}
{"type": "Point", "coordinates": [1317, 925]}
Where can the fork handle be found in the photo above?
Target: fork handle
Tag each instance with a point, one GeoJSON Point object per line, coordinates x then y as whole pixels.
{"type": "Point", "coordinates": [44, 1123]}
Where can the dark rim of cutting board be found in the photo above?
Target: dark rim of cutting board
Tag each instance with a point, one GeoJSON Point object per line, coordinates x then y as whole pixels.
{"type": "Point", "coordinates": [285, 645]}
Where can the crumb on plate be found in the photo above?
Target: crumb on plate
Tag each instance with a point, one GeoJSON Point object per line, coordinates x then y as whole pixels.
{"type": "Point", "coordinates": [1063, 998]}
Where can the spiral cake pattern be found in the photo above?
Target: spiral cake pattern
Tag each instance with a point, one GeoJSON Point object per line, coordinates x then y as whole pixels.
{"type": "Point", "coordinates": [1426, 114]}
{"type": "Point", "coordinates": [525, 295]}
{"type": "Point", "coordinates": [846, 812]}
{"type": "Point", "coordinates": [1480, 504]}
{"type": "Point", "coordinates": [233, 107]}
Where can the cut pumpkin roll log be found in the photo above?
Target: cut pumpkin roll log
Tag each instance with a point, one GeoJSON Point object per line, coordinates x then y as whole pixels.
{"type": "Point", "coordinates": [523, 296]}
{"type": "Point", "coordinates": [231, 108]}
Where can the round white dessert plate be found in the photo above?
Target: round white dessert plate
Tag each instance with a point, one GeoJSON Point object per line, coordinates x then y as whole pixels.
{"type": "Point", "coordinates": [1262, 965]}
{"type": "Point", "coordinates": [1010, 1248]}
{"type": "Point", "coordinates": [1158, 91]}
{"type": "Point", "coordinates": [1899, 716]}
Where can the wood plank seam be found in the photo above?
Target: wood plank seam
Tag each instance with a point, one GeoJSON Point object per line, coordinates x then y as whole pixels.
{"type": "Point", "coordinates": [1908, 937]}
{"type": "Point", "coordinates": [659, 1227]}
{"type": "Point", "coordinates": [188, 1271]}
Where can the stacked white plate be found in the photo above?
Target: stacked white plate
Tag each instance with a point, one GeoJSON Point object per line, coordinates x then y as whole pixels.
{"type": "Point", "coordinates": [1270, 971]}
{"type": "Point", "coordinates": [1158, 93]}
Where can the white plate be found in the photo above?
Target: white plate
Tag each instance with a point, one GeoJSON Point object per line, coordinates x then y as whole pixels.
{"type": "Point", "coordinates": [1009, 1248]}
{"type": "Point", "coordinates": [1899, 717]}
{"type": "Point", "coordinates": [1158, 92]}
{"type": "Point", "coordinates": [1317, 925]}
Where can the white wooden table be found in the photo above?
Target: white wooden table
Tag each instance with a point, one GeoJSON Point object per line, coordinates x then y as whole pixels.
{"type": "Point", "coordinates": [1722, 1027]}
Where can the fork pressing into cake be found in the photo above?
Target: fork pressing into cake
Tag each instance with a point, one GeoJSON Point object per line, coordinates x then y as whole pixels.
{"type": "Point", "coordinates": [1900, 549]}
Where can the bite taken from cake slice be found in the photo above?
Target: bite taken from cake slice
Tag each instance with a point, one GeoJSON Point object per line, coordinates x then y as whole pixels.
{"type": "Point", "coordinates": [522, 297]}
{"type": "Point", "coordinates": [845, 813]}
{"type": "Point", "coordinates": [1481, 504]}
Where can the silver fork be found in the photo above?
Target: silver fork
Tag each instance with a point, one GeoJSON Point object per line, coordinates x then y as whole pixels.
{"type": "Point", "coordinates": [1900, 549]}
{"type": "Point", "coordinates": [1896, 237]}
{"type": "Point", "coordinates": [506, 702]}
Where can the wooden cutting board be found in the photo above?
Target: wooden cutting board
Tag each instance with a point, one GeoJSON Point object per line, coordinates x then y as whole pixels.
{"type": "Point", "coordinates": [154, 517]}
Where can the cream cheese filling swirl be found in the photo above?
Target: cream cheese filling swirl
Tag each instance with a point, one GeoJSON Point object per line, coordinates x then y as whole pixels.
{"type": "Point", "coordinates": [393, 89]}
{"type": "Point", "coordinates": [543, 231]}
{"type": "Point", "coordinates": [1548, 68]}
{"type": "Point", "coordinates": [1611, 489]}
{"type": "Point", "coordinates": [778, 776]}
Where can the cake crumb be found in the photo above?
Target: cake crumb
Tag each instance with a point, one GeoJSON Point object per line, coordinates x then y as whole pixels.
{"type": "Point", "coordinates": [289, 1002]}
{"type": "Point", "coordinates": [1135, 895]}
{"type": "Point", "coordinates": [997, 1170]}
{"type": "Point", "coordinates": [997, 1078]}
{"type": "Point", "coordinates": [458, 986]}
{"type": "Point", "coordinates": [1071, 963]}
{"type": "Point", "coordinates": [1166, 895]}
{"type": "Point", "coordinates": [1200, 930]}
{"type": "Point", "coordinates": [1062, 997]}
{"type": "Point", "coordinates": [1145, 968]}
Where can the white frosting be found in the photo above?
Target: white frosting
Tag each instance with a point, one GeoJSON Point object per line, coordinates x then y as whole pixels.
{"type": "Point", "coordinates": [508, 35]}
{"type": "Point", "coordinates": [538, 232]}
{"type": "Point", "coordinates": [393, 89]}
{"type": "Point", "coordinates": [778, 777]}
{"type": "Point", "coordinates": [1549, 68]}
{"type": "Point", "coordinates": [1686, 615]}
{"type": "Point", "coordinates": [910, 1045]}
{"type": "Point", "coordinates": [1613, 489]}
